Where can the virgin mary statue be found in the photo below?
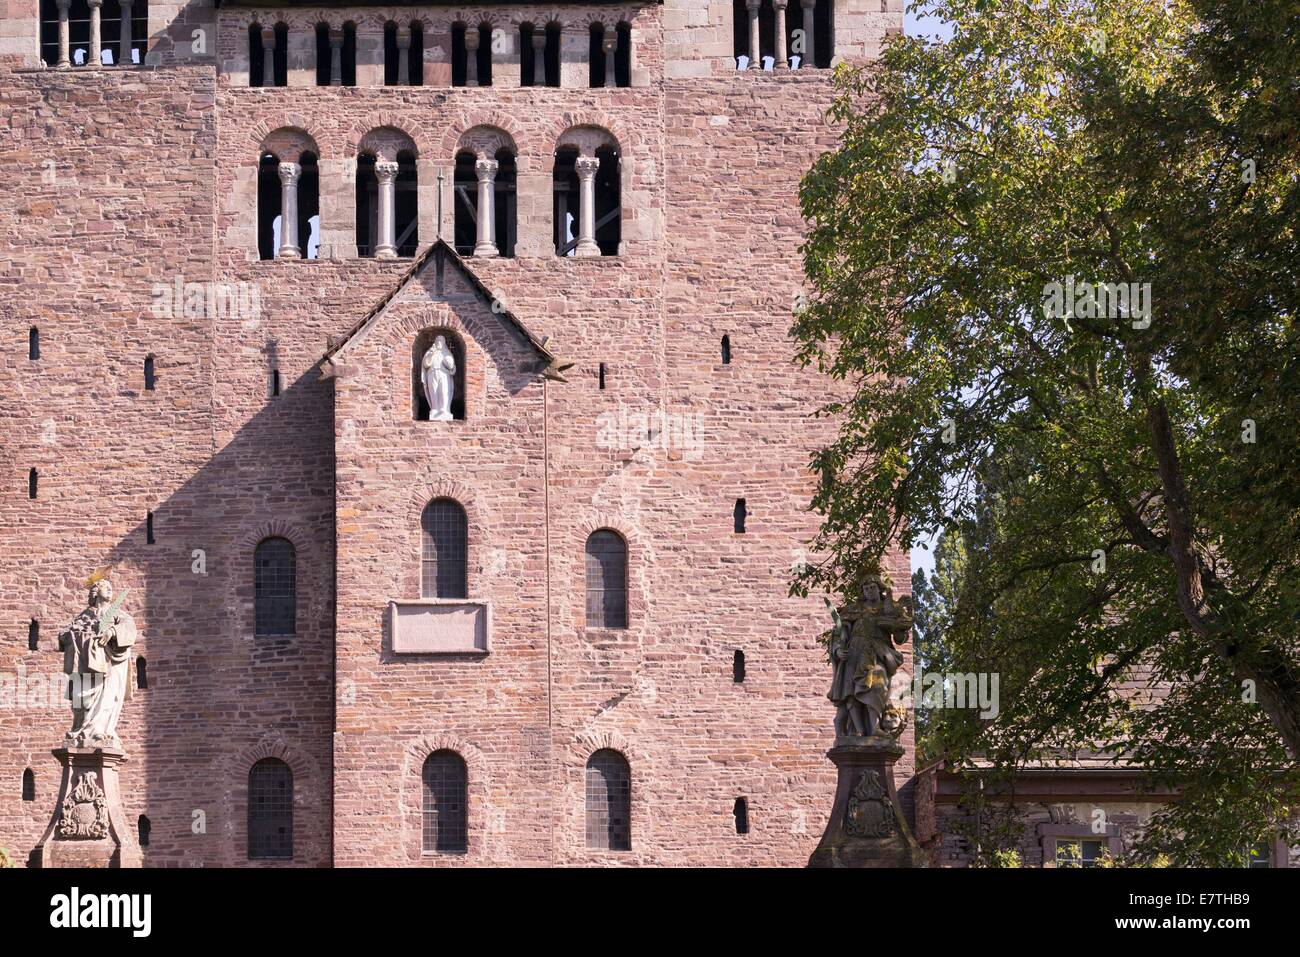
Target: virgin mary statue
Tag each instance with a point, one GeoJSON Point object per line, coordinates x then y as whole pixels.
{"type": "Point", "coordinates": [438, 374]}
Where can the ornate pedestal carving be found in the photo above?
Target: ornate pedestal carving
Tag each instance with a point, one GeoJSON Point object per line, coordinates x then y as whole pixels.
{"type": "Point", "coordinates": [88, 828]}
{"type": "Point", "coordinates": [867, 827]}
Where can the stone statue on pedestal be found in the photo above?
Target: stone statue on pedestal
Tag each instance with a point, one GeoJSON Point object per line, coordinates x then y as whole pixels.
{"type": "Point", "coordinates": [867, 827]}
{"type": "Point", "coordinates": [88, 827]}
{"type": "Point", "coordinates": [97, 660]}
{"type": "Point", "coordinates": [438, 375]}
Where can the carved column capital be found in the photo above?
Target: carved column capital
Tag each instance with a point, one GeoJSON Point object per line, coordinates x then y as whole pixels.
{"type": "Point", "coordinates": [486, 169]}
{"type": "Point", "coordinates": [289, 173]}
{"type": "Point", "coordinates": [94, 4]}
{"type": "Point", "coordinates": [385, 172]}
{"type": "Point", "coordinates": [752, 6]}
{"type": "Point", "coordinates": [539, 39]}
{"type": "Point", "coordinates": [780, 4]}
{"type": "Point", "coordinates": [63, 6]}
{"type": "Point", "coordinates": [471, 39]}
{"type": "Point", "coordinates": [586, 166]}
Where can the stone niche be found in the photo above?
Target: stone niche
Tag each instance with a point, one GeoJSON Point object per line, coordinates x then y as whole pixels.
{"type": "Point", "coordinates": [440, 626]}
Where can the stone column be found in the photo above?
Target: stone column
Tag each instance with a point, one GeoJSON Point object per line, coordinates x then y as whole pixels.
{"type": "Point", "coordinates": [471, 56]}
{"type": "Point", "coordinates": [64, 61]}
{"type": "Point", "coordinates": [386, 248]}
{"type": "Point", "coordinates": [485, 214]}
{"type": "Point", "coordinates": [289, 175]}
{"type": "Point", "coordinates": [403, 57]}
{"type": "Point", "coordinates": [755, 53]}
{"type": "Point", "coordinates": [336, 57]}
{"type": "Point", "coordinates": [586, 167]}
{"type": "Point", "coordinates": [124, 44]}
{"type": "Point", "coordinates": [95, 56]}
{"type": "Point", "coordinates": [539, 57]}
{"type": "Point", "coordinates": [782, 61]}
{"type": "Point", "coordinates": [610, 45]}
{"type": "Point", "coordinates": [268, 58]}
{"type": "Point", "coordinates": [809, 7]}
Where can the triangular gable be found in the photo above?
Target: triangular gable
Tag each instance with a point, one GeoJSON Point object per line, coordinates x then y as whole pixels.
{"type": "Point", "coordinates": [448, 253]}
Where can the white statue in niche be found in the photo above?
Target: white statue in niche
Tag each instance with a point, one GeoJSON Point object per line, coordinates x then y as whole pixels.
{"type": "Point", "coordinates": [438, 373]}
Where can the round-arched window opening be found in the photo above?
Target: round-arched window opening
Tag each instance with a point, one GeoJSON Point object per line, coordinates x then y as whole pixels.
{"type": "Point", "coordinates": [424, 342]}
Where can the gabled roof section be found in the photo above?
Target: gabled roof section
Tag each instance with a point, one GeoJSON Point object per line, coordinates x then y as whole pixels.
{"type": "Point", "coordinates": [449, 254]}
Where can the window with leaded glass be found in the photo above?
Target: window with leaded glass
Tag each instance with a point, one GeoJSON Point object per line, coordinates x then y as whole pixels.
{"type": "Point", "coordinates": [606, 580]}
{"type": "Point", "coordinates": [445, 550]}
{"type": "Point", "coordinates": [275, 593]}
{"type": "Point", "coordinates": [609, 802]}
{"type": "Point", "coordinates": [270, 810]}
{"type": "Point", "coordinates": [446, 804]}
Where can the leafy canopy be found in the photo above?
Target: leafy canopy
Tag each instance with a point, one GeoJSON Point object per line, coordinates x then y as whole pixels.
{"type": "Point", "coordinates": [1124, 484]}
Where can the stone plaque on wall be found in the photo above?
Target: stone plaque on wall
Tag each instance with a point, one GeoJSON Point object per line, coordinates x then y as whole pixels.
{"type": "Point", "coordinates": [440, 626]}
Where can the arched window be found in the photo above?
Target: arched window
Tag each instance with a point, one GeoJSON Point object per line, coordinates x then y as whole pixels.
{"type": "Point", "coordinates": [275, 587]}
{"type": "Point", "coordinates": [256, 56]}
{"type": "Point", "coordinates": [143, 827]}
{"type": "Point", "coordinates": [149, 376]}
{"type": "Point", "coordinates": [609, 802]}
{"type": "Point", "coordinates": [484, 58]}
{"type": "Point", "coordinates": [281, 60]}
{"type": "Point", "coordinates": [29, 785]}
{"type": "Point", "coordinates": [33, 343]}
{"type": "Point", "coordinates": [604, 222]}
{"type": "Point", "coordinates": [459, 55]}
{"type": "Point", "coordinates": [275, 180]}
{"type": "Point", "coordinates": [446, 804]}
{"type": "Point", "coordinates": [596, 67]}
{"type": "Point", "coordinates": [539, 55]}
{"type": "Point", "coordinates": [270, 810]}
{"type": "Point", "coordinates": [122, 41]}
{"type": "Point", "coordinates": [623, 55]}
{"type": "Point", "coordinates": [141, 672]}
{"type": "Point", "coordinates": [606, 580]}
{"type": "Point", "coordinates": [420, 403]}
{"type": "Point", "coordinates": [445, 550]}
{"type": "Point", "coordinates": [610, 55]}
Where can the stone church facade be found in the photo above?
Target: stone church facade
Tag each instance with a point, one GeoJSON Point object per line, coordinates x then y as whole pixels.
{"type": "Point", "coordinates": [551, 629]}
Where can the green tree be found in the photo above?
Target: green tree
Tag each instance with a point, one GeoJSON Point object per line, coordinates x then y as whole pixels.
{"type": "Point", "coordinates": [1054, 263]}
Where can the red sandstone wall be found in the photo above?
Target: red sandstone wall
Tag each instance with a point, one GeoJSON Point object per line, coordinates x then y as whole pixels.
{"type": "Point", "coordinates": [712, 229]}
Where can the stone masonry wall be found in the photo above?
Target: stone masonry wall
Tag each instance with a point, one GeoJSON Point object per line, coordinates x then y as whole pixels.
{"type": "Point", "coordinates": [155, 180]}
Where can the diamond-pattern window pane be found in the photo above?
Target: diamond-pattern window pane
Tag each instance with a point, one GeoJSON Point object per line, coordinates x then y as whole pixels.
{"type": "Point", "coordinates": [446, 801]}
{"type": "Point", "coordinates": [606, 580]}
{"type": "Point", "coordinates": [274, 587]}
{"type": "Point", "coordinates": [270, 810]}
{"type": "Point", "coordinates": [609, 802]}
{"type": "Point", "coordinates": [445, 550]}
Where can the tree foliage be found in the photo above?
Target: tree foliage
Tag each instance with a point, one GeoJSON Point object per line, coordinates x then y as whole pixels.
{"type": "Point", "coordinates": [1126, 485]}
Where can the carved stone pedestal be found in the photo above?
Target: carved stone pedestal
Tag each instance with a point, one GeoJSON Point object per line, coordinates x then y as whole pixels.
{"type": "Point", "coordinates": [867, 827]}
{"type": "Point", "coordinates": [88, 828]}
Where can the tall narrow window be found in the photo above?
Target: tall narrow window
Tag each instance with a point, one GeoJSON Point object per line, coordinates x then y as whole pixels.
{"type": "Point", "coordinates": [596, 55]}
{"type": "Point", "coordinates": [485, 54]}
{"type": "Point", "coordinates": [33, 343]}
{"type": "Point", "coordinates": [601, 376]}
{"type": "Point", "coordinates": [367, 195]}
{"type": "Point", "coordinates": [415, 63]}
{"type": "Point", "coordinates": [33, 635]}
{"type": "Point", "coordinates": [445, 550]}
{"type": "Point", "coordinates": [738, 515]}
{"type": "Point", "coordinates": [553, 34]}
{"type": "Point", "coordinates": [392, 75]}
{"type": "Point", "coordinates": [268, 205]}
{"type": "Point", "coordinates": [349, 54]}
{"type": "Point", "coordinates": [148, 528]}
{"type": "Point", "coordinates": [738, 667]}
{"type": "Point", "coordinates": [726, 350]}
{"type": "Point", "coordinates": [459, 55]}
{"type": "Point", "coordinates": [740, 810]}
{"type": "Point", "coordinates": [406, 203]}
{"type": "Point", "coordinates": [324, 55]}
{"type": "Point", "coordinates": [309, 205]}
{"type": "Point", "coordinates": [465, 197]}
{"type": "Point", "coordinates": [141, 672]}
{"type": "Point", "coordinates": [143, 828]}
{"type": "Point", "coordinates": [281, 64]}
{"type": "Point", "coordinates": [29, 785]}
{"type": "Point", "coordinates": [504, 189]}
{"type": "Point", "coordinates": [149, 379]}
{"type": "Point", "coordinates": [32, 479]}
{"type": "Point", "coordinates": [446, 804]}
{"type": "Point", "coordinates": [609, 802]}
{"type": "Point", "coordinates": [273, 386]}
{"type": "Point", "coordinates": [606, 580]}
{"type": "Point", "coordinates": [275, 587]}
{"type": "Point", "coordinates": [270, 810]}
{"type": "Point", "coordinates": [256, 56]}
